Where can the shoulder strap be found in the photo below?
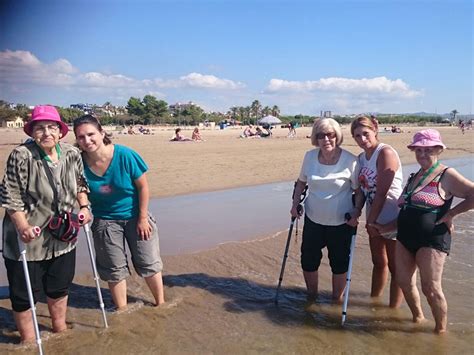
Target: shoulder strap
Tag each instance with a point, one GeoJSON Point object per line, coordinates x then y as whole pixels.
{"type": "Point", "coordinates": [53, 185]}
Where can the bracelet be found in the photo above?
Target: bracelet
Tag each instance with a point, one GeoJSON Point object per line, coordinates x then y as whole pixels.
{"type": "Point", "coordinates": [85, 206]}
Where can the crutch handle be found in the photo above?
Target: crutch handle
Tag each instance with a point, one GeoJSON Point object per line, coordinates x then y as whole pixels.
{"type": "Point", "coordinates": [37, 230]}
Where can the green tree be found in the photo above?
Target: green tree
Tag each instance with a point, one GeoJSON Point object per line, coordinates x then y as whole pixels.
{"type": "Point", "coordinates": [192, 114]}
{"type": "Point", "coordinates": [266, 111]}
{"type": "Point", "coordinates": [135, 107]}
{"type": "Point", "coordinates": [275, 111]}
{"type": "Point", "coordinates": [256, 109]}
{"type": "Point", "coordinates": [453, 114]}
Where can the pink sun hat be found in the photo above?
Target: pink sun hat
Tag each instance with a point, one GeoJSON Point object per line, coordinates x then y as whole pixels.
{"type": "Point", "coordinates": [45, 113]}
{"type": "Point", "coordinates": [427, 138]}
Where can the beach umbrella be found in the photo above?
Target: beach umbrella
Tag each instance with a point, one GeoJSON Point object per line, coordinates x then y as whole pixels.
{"type": "Point", "coordinates": [271, 120]}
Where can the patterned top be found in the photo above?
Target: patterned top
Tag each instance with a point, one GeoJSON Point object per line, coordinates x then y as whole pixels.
{"type": "Point", "coordinates": [25, 187]}
{"type": "Point", "coordinates": [368, 183]}
{"type": "Point", "coordinates": [429, 197]}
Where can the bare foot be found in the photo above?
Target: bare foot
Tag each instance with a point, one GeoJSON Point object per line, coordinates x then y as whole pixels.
{"type": "Point", "coordinates": [439, 331]}
{"type": "Point", "coordinates": [419, 319]}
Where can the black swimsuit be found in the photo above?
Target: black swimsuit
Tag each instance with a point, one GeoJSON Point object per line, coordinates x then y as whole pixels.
{"type": "Point", "coordinates": [417, 225]}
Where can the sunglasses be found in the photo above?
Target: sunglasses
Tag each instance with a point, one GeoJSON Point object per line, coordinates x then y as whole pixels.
{"type": "Point", "coordinates": [330, 135]}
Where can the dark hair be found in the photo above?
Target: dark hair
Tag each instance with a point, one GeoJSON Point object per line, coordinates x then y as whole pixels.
{"type": "Point", "coordinates": [89, 119]}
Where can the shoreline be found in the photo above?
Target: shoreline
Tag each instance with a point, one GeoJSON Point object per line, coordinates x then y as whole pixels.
{"type": "Point", "coordinates": [225, 161]}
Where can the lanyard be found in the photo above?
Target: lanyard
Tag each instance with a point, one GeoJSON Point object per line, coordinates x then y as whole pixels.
{"type": "Point", "coordinates": [425, 175]}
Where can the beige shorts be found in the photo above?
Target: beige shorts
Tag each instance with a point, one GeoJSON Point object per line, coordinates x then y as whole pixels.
{"type": "Point", "coordinates": [110, 252]}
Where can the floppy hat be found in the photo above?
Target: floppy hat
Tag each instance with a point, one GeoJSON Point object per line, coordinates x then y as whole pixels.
{"type": "Point", "coordinates": [45, 113]}
{"type": "Point", "coordinates": [427, 138]}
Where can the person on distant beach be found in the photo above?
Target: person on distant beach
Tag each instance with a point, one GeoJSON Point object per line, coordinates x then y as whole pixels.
{"type": "Point", "coordinates": [380, 179]}
{"type": "Point", "coordinates": [29, 198]}
{"type": "Point", "coordinates": [425, 224]}
{"type": "Point", "coordinates": [119, 195]}
{"type": "Point", "coordinates": [331, 174]}
{"type": "Point", "coordinates": [291, 130]}
{"type": "Point", "coordinates": [178, 137]}
{"type": "Point", "coordinates": [260, 133]}
{"type": "Point", "coordinates": [248, 132]}
{"type": "Point", "coordinates": [196, 136]}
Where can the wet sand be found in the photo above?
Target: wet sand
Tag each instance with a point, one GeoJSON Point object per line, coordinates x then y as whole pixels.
{"type": "Point", "coordinates": [222, 300]}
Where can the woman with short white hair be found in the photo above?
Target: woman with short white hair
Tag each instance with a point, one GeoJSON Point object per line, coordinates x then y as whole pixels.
{"type": "Point", "coordinates": [331, 175]}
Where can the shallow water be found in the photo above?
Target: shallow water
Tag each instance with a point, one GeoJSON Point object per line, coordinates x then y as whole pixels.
{"type": "Point", "coordinates": [222, 300]}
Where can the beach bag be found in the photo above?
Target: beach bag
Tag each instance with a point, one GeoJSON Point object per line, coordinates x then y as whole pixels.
{"type": "Point", "coordinates": [64, 227]}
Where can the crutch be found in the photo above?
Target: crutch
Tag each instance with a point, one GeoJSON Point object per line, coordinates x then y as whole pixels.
{"type": "Point", "coordinates": [21, 245]}
{"type": "Point", "coordinates": [94, 269]}
{"type": "Point", "coordinates": [285, 256]}
{"type": "Point", "coordinates": [349, 272]}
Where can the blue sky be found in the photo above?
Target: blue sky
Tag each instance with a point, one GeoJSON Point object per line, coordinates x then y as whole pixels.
{"type": "Point", "coordinates": [304, 56]}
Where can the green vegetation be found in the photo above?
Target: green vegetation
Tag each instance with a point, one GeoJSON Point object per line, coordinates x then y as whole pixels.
{"type": "Point", "coordinates": [150, 110]}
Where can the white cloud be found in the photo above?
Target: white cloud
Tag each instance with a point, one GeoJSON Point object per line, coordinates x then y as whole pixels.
{"type": "Point", "coordinates": [209, 81]}
{"type": "Point", "coordinates": [24, 67]}
{"type": "Point", "coordinates": [357, 87]}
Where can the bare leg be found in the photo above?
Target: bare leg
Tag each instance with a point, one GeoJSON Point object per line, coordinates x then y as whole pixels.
{"type": "Point", "coordinates": [380, 269]}
{"type": "Point", "coordinates": [406, 279]}
{"type": "Point", "coordinates": [57, 309]}
{"type": "Point", "coordinates": [338, 286]}
{"type": "Point", "coordinates": [155, 284]}
{"type": "Point", "coordinates": [311, 279]}
{"type": "Point", "coordinates": [119, 293]}
{"type": "Point", "coordinates": [24, 323]}
{"type": "Point", "coordinates": [396, 294]}
{"type": "Point", "coordinates": [431, 263]}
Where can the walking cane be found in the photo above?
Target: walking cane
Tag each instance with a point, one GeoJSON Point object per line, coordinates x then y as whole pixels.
{"type": "Point", "coordinates": [94, 269]}
{"type": "Point", "coordinates": [349, 272]}
{"type": "Point", "coordinates": [290, 230]}
{"type": "Point", "coordinates": [21, 245]}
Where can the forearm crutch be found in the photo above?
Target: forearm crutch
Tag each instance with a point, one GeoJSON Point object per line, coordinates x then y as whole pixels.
{"type": "Point", "coordinates": [348, 278]}
{"type": "Point", "coordinates": [285, 256]}
{"type": "Point", "coordinates": [94, 270]}
{"type": "Point", "coordinates": [290, 230]}
{"type": "Point", "coordinates": [21, 245]}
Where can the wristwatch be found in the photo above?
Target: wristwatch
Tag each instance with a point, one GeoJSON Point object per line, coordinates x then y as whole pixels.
{"type": "Point", "coordinates": [88, 206]}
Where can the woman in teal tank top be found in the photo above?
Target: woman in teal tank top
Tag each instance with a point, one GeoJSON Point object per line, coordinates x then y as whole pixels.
{"type": "Point", "coordinates": [119, 196]}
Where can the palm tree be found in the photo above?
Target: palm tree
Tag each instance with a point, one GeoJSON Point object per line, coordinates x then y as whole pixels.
{"type": "Point", "coordinates": [256, 109]}
{"type": "Point", "coordinates": [241, 110]}
{"type": "Point", "coordinates": [454, 113]}
{"type": "Point", "coordinates": [266, 111]}
{"type": "Point", "coordinates": [276, 111]}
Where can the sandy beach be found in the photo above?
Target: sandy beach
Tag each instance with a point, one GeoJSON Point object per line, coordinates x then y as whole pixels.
{"type": "Point", "coordinates": [225, 161]}
{"type": "Point", "coordinates": [222, 300]}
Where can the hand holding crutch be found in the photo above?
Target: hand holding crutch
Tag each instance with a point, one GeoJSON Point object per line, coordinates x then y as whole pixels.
{"type": "Point", "coordinates": [36, 231]}
{"type": "Point", "coordinates": [94, 269]}
{"type": "Point", "coordinates": [290, 230]}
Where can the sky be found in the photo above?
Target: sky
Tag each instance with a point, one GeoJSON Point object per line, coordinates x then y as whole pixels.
{"type": "Point", "coordinates": [348, 57]}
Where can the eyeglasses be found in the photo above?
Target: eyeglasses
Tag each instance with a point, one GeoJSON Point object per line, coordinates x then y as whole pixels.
{"type": "Point", "coordinates": [52, 128]}
{"type": "Point", "coordinates": [330, 135]}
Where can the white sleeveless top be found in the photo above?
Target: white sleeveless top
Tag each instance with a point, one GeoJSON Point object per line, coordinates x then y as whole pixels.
{"type": "Point", "coordinates": [368, 184]}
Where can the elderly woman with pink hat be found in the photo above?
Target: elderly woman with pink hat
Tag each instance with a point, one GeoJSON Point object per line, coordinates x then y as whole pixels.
{"type": "Point", "coordinates": [43, 179]}
{"type": "Point", "coordinates": [425, 224]}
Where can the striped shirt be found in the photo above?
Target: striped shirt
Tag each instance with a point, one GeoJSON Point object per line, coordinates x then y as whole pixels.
{"type": "Point", "coordinates": [25, 187]}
